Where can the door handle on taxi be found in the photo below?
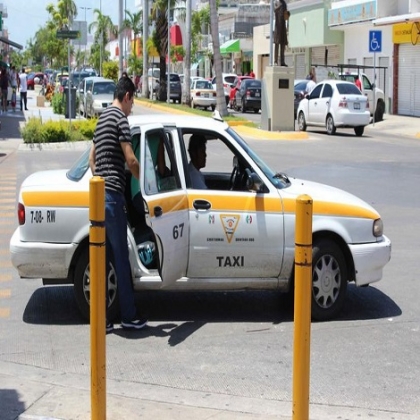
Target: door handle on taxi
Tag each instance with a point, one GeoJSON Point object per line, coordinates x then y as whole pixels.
{"type": "Point", "coordinates": [158, 211]}
{"type": "Point", "coordinates": [201, 205]}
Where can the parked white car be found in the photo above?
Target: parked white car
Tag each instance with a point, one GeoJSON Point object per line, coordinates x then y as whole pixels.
{"type": "Point", "coordinates": [203, 94]}
{"type": "Point", "coordinates": [332, 104]}
{"type": "Point", "coordinates": [228, 80]}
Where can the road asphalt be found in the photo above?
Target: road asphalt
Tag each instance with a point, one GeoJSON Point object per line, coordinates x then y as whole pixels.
{"type": "Point", "coordinates": [32, 393]}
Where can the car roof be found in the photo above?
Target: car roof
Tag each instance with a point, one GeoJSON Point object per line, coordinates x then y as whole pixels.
{"type": "Point", "coordinates": [188, 121]}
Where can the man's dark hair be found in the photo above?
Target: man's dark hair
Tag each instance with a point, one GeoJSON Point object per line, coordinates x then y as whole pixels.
{"type": "Point", "coordinates": [197, 141]}
{"type": "Point", "coordinates": [124, 85]}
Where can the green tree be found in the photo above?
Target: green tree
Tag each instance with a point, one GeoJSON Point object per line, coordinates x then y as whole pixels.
{"type": "Point", "coordinates": [102, 27]}
{"type": "Point", "coordinates": [67, 9]}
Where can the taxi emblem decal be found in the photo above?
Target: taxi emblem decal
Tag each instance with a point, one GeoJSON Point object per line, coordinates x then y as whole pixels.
{"type": "Point", "coordinates": [229, 222]}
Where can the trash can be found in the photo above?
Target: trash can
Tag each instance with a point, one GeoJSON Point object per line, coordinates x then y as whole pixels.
{"type": "Point", "coordinates": [73, 102]}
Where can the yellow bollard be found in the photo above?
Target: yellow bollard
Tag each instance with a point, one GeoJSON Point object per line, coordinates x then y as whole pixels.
{"type": "Point", "coordinates": [97, 297]}
{"type": "Point", "coordinates": [303, 294]}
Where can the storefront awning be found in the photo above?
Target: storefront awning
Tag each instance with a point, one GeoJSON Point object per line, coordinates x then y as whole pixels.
{"type": "Point", "coordinates": [391, 20]}
{"type": "Point", "coordinates": [231, 46]}
{"type": "Point", "coordinates": [13, 44]}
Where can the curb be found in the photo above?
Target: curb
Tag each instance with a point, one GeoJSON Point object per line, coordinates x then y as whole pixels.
{"type": "Point", "coordinates": [240, 126]}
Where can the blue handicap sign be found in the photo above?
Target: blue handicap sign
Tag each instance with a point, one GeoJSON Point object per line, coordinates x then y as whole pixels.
{"type": "Point", "coordinates": [375, 41]}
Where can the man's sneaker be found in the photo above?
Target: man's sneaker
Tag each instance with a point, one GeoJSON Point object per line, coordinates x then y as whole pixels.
{"type": "Point", "coordinates": [109, 327]}
{"type": "Point", "coordinates": [135, 324]}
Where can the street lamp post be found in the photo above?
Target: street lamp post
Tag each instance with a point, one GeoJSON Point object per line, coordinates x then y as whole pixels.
{"type": "Point", "coordinates": [100, 42]}
{"type": "Point", "coordinates": [85, 9]}
{"type": "Point", "coordinates": [168, 89]}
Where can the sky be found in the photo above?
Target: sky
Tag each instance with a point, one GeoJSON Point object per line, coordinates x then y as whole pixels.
{"type": "Point", "coordinates": [25, 17]}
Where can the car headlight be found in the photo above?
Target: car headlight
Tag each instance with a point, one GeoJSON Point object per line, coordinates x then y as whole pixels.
{"type": "Point", "coordinates": [378, 228]}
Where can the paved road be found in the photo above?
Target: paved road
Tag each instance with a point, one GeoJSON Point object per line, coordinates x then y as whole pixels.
{"type": "Point", "coordinates": [228, 356]}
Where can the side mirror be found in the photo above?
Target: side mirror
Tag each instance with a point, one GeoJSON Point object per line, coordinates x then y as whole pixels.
{"type": "Point", "coordinates": [253, 181]}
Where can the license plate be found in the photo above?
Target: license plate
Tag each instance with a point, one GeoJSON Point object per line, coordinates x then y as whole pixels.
{"type": "Point", "coordinates": [356, 105]}
{"type": "Point", "coordinates": [206, 95]}
{"type": "Point", "coordinates": [257, 94]}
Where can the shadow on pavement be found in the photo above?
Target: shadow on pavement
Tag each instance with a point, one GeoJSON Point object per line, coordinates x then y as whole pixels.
{"type": "Point", "coordinates": [186, 312]}
{"type": "Point", "coordinates": [11, 404]}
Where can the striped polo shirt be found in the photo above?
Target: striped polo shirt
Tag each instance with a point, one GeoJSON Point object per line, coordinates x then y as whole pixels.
{"type": "Point", "coordinates": [112, 129]}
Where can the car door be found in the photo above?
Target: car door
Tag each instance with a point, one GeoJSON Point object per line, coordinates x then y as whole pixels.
{"type": "Point", "coordinates": [314, 108]}
{"type": "Point", "coordinates": [166, 204]}
{"type": "Point", "coordinates": [233, 233]}
{"type": "Point", "coordinates": [325, 102]}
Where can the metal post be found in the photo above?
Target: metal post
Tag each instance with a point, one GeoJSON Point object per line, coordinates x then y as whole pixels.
{"type": "Point", "coordinates": [374, 87]}
{"type": "Point", "coordinates": [120, 37]}
{"type": "Point", "coordinates": [303, 295]}
{"type": "Point", "coordinates": [84, 56]}
{"type": "Point", "coordinates": [68, 83]}
{"type": "Point", "coordinates": [145, 85]}
{"type": "Point", "coordinates": [97, 297]}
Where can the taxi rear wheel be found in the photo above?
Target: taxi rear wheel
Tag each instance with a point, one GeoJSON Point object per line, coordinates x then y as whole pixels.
{"type": "Point", "coordinates": [329, 280]}
{"type": "Point", "coordinates": [82, 288]}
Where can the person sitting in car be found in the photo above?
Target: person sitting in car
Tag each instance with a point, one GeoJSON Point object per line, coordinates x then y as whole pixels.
{"type": "Point", "coordinates": [197, 151]}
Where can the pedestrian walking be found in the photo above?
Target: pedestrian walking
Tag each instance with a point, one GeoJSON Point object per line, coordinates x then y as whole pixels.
{"type": "Point", "coordinates": [111, 150]}
{"type": "Point", "coordinates": [23, 86]}
{"type": "Point", "coordinates": [4, 84]}
{"type": "Point", "coordinates": [13, 81]}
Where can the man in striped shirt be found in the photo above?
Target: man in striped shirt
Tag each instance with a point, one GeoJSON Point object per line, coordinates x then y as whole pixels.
{"type": "Point", "coordinates": [111, 150]}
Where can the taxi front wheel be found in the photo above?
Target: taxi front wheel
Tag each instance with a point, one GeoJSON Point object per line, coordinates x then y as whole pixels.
{"type": "Point", "coordinates": [329, 280]}
{"type": "Point", "coordinates": [82, 288]}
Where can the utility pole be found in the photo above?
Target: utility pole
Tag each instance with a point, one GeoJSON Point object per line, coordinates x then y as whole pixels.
{"type": "Point", "coordinates": [145, 84]}
{"type": "Point", "coordinates": [84, 56]}
{"type": "Point", "coordinates": [100, 42]}
{"type": "Point", "coordinates": [120, 36]}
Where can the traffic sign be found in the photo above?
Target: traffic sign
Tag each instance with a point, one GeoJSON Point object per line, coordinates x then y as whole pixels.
{"type": "Point", "coordinates": [375, 41]}
{"type": "Point", "coordinates": [68, 34]}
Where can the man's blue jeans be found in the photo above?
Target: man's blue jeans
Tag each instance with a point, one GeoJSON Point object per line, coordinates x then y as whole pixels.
{"type": "Point", "coordinates": [116, 241]}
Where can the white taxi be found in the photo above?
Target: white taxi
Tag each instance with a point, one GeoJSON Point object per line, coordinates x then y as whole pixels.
{"type": "Point", "coordinates": [237, 234]}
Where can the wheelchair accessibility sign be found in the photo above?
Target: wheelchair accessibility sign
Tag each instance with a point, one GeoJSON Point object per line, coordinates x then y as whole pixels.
{"type": "Point", "coordinates": [375, 41]}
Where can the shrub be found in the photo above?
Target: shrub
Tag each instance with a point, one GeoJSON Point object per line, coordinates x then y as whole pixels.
{"type": "Point", "coordinates": [57, 103]}
{"type": "Point", "coordinates": [36, 131]}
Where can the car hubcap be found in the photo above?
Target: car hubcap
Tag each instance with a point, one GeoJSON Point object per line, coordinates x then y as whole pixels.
{"type": "Point", "coordinates": [326, 281]}
{"type": "Point", "coordinates": [112, 285]}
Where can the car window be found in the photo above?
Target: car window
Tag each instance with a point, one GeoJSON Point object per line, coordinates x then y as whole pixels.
{"type": "Point", "coordinates": [328, 91]}
{"type": "Point", "coordinates": [80, 167]}
{"type": "Point", "coordinates": [253, 83]}
{"type": "Point", "coordinates": [348, 88]}
{"type": "Point", "coordinates": [316, 92]}
{"type": "Point", "coordinates": [89, 84]}
{"type": "Point", "coordinates": [103, 88]}
{"type": "Point", "coordinates": [366, 83]}
{"type": "Point", "coordinates": [229, 79]}
{"type": "Point", "coordinates": [160, 173]}
{"type": "Point", "coordinates": [203, 84]}
{"type": "Point", "coordinates": [174, 78]}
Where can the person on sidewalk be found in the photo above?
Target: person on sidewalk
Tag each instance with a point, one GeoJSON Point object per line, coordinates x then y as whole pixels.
{"type": "Point", "coordinates": [23, 86]}
{"type": "Point", "coordinates": [4, 84]}
{"type": "Point", "coordinates": [311, 84]}
{"type": "Point", "coordinates": [111, 150]}
{"type": "Point", "coordinates": [13, 81]}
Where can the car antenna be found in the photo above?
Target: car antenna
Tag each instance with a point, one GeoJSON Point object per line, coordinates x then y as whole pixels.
{"type": "Point", "coordinates": [217, 116]}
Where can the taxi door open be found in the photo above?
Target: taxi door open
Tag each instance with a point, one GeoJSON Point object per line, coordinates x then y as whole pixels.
{"type": "Point", "coordinates": [166, 204]}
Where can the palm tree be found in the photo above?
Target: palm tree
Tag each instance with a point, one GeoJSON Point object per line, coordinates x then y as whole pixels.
{"type": "Point", "coordinates": [160, 40]}
{"type": "Point", "coordinates": [68, 9]}
{"type": "Point", "coordinates": [102, 26]}
{"type": "Point", "coordinates": [135, 23]}
{"type": "Point", "coordinates": [217, 57]}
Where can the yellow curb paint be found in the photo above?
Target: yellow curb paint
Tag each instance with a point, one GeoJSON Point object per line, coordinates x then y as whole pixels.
{"type": "Point", "coordinates": [4, 312]}
{"type": "Point", "coordinates": [5, 294]}
{"type": "Point", "coordinates": [5, 277]}
{"type": "Point", "coordinates": [271, 135]}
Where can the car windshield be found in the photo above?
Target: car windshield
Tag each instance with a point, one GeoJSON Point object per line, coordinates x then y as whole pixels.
{"type": "Point", "coordinates": [80, 167]}
{"type": "Point", "coordinates": [278, 181]}
{"type": "Point", "coordinates": [174, 78]}
{"type": "Point", "coordinates": [103, 88]}
{"type": "Point", "coordinates": [252, 83]}
{"type": "Point", "coordinates": [348, 88]}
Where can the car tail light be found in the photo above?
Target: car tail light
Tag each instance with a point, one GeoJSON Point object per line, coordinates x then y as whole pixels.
{"type": "Point", "coordinates": [367, 104]}
{"type": "Point", "coordinates": [214, 94]}
{"type": "Point", "coordinates": [343, 103]}
{"type": "Point", "coordinates": [197, 93]}
{"type": "Point", "coordinates": [21, 213]}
